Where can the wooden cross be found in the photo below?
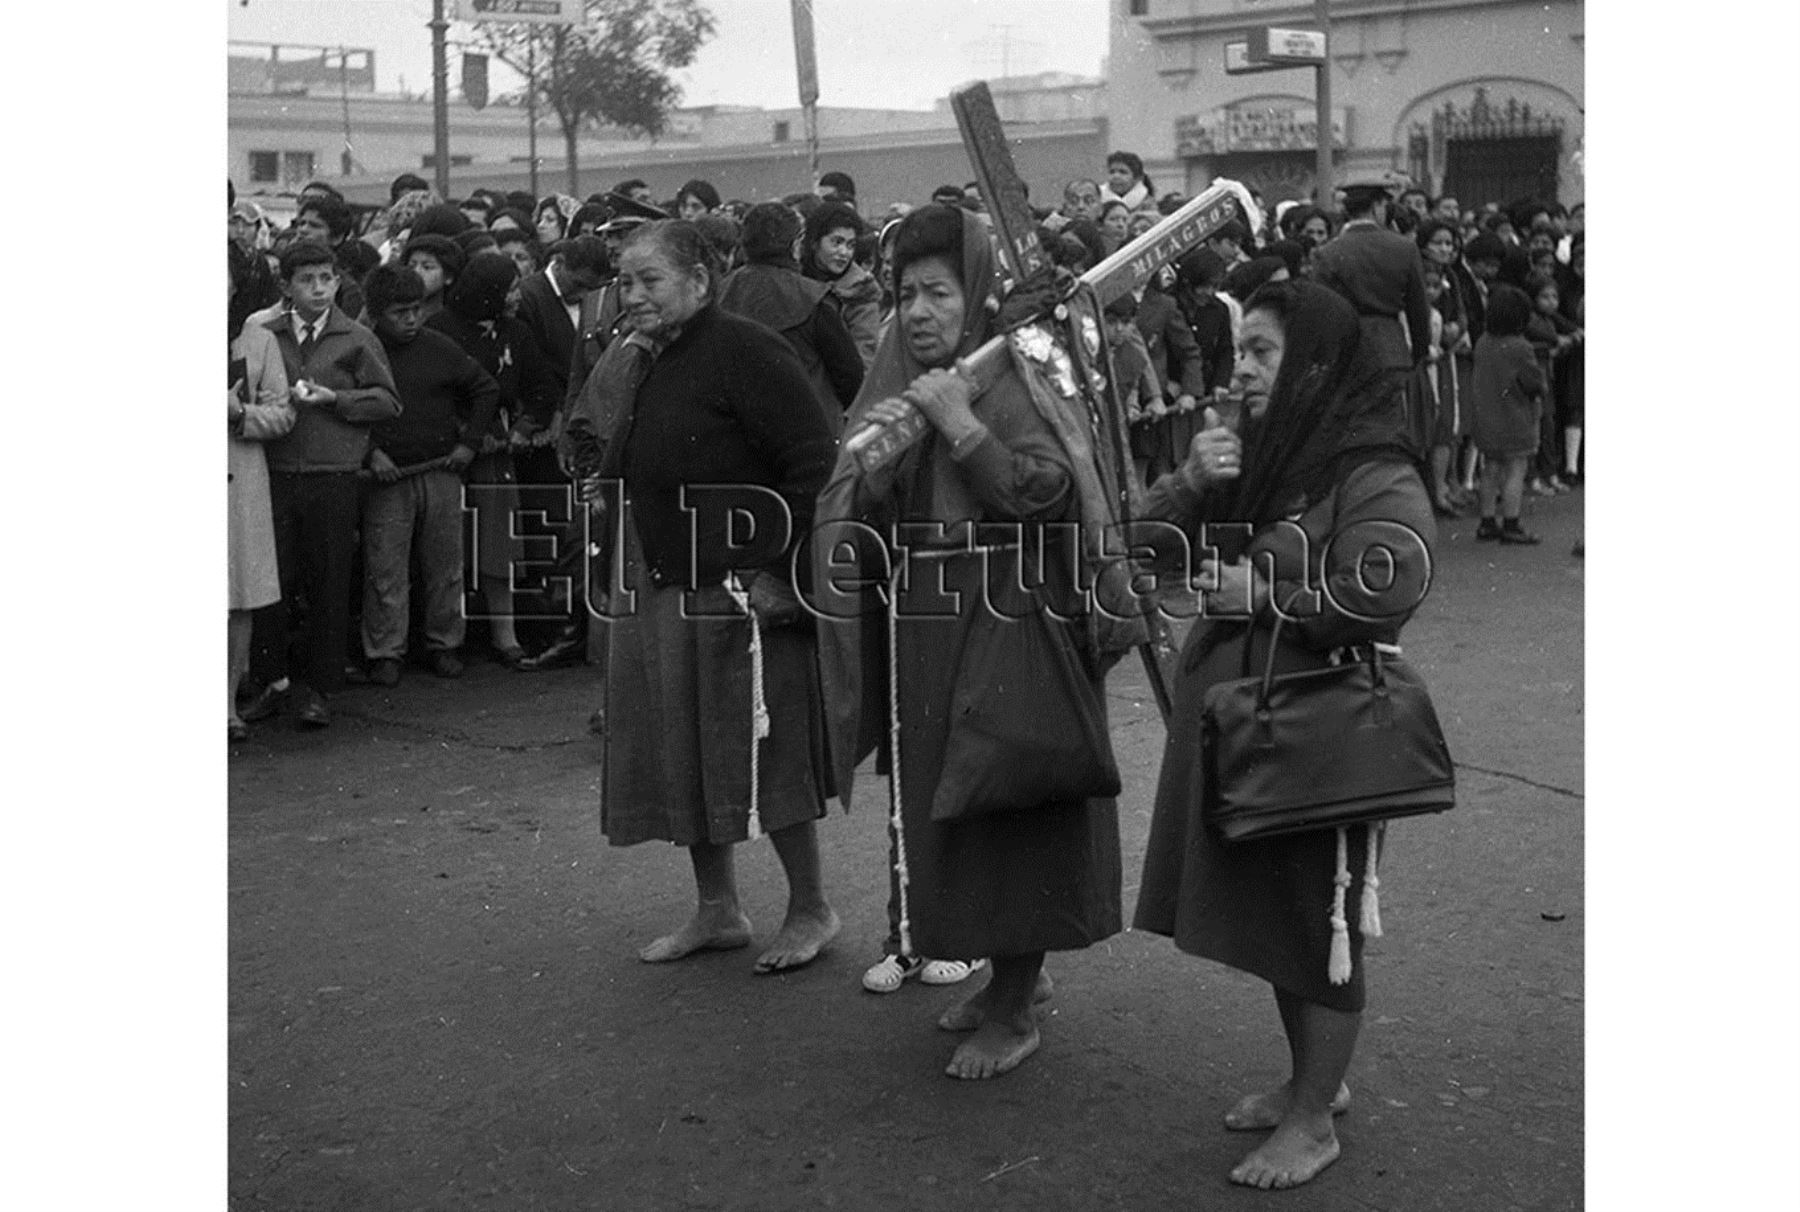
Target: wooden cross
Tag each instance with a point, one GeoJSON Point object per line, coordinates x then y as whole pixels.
{"type": "Point", "coordinates": [1003, 191]}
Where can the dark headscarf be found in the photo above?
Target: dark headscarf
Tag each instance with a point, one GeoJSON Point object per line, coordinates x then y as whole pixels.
{"type": "Point", "coordinates": [1292, 254]}
{"type": "Point", "coordinates": [934, 230]}
{"type": "Point", "coordinates": [479, 293]}
{"type": "Point", "coordinates": [1331, 409]}
{"type": "Point", "coordinates": [440, 219]}
{"type": "Point", "coordinates": [1246, 279]}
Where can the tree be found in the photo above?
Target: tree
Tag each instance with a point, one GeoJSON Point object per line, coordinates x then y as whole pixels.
{"type": "Point", "coordinates": [614, 69]}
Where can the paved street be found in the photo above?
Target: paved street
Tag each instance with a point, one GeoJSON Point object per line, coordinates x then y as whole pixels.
{"type": "Point", "coordinates": [435, 1000]}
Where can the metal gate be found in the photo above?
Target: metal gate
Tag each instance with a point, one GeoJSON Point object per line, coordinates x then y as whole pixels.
{"type": "Point", "coordinates": [1500, 170]}
{"type": "Point", "coordinates": [1487, 152]}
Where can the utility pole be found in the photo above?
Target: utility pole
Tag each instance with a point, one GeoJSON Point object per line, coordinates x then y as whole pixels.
{"type": "Point", "coordinates": [806, 65]}
{"type": "Point", "coordinates": [440, 100]}
{"type": "Point", "coordinates": [531, 107]}
{"type": "Point", "coordinates": [349, 157]}
{"type": "Point", "coordinates": [1322, 104]}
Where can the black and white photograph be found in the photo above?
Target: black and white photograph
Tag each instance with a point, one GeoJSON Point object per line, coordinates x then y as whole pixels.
{"type": "Point", "coordinates": [931, 604]}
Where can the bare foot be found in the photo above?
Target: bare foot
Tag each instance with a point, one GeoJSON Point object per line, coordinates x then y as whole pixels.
{"type": "Point", "coordinates": [1292, 1155]}
{"type": "Point", "coordinates": [972, 1011]}
{"type": "Point", "coordinates": [799, 941]}
{"type": "Point", "coordinates": [708, 931]}
{"type": "Point", "coordinates": [995, 1048]}
{"type": "Point", "coordinates": [1256, 1112]}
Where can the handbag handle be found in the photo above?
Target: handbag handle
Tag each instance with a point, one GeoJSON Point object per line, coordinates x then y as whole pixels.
{"type": "Point", "coordinates": [1268, 679]}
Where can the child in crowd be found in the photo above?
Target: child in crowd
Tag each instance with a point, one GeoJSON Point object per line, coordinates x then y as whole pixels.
{"type": "Point", "coordinates": [447, 404]}
{"type": "Point", "coordinates": [437, 260]}
{"type": "Point", "coordinates": [1552, 336]}
{"type": "Point", "coordinates": [1440, 392]}
{"type": "Point", "coordinates": [1138, 386]}
{"type": "Point", "coordinates": [1508, 398]}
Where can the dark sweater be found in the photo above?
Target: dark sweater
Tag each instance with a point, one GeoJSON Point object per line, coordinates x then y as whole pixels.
{"type": "Point", "coordinates": [446, 400]}
{"type": "Point", "coordinates": [727, 403]}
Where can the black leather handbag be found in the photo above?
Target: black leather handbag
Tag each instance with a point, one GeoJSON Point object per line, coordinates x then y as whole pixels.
{"type": "Point", "coordinates": [1354, 743]}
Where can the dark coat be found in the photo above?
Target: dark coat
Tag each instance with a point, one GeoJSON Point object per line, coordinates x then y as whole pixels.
{"type": "Point", "coordinates": [542, 311]}
{"type": "Point", "coordinates": [601, 313]}
{"type": "Point", "coordinates": [798, 308]}
{"type": "Point", "coordinates": [1383, 276]}
{"type": "Point", "coordinates": [1174, 354]}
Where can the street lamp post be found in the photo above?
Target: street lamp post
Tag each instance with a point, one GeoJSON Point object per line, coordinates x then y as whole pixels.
{"type": "Point", "coordinates": [1322, 104]}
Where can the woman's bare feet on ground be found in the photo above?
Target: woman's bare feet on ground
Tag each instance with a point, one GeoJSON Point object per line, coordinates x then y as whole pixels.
{"type": "Point", "coordinates": [709, 930]}
{"type": "Point", "coordinates": [801, 937]}
{"type": "Point", "coordinates": [995, 1048]}
{"type": "Point", "coordinates": [970, 1013]}
{"type": "Point", "coordinates": [1294, 1153]}
{"type": "Point", "coordinates": [1258, 1112]}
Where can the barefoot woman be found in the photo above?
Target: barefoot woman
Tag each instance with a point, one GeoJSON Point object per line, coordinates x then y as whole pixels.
{"type": "Point", "coordinates": [1009, 884]}
{"type": "Point", "coordinates": [1323, 445]}
{"type": "Point", "coordinates": [722, 402]}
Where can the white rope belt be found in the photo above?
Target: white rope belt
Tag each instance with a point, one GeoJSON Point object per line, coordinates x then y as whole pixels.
{"type": "Point", "coordinates": [759, 706]}
{"type": "Point", "coordinates": [901, 876]}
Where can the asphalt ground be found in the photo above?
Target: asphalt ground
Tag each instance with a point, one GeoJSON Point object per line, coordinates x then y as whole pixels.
{"type": "Point", "coordinates": [435, 1001]}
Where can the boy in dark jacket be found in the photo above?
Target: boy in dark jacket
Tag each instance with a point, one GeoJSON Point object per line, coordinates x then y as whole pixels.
{"type": "Point", "coordinates": [448, 403]}
{"type": "Point", "coordinates": [341, 385]}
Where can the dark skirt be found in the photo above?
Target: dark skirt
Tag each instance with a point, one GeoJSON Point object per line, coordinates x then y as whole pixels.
{"type": "Point", "coordinates": [678, 722]}
{"type": "Point", "coordinates": [1002, 883]}
{"type": "Point", "coordinates": [1262, 907]}
{"type": "Point", "coordinates": [495, 496]}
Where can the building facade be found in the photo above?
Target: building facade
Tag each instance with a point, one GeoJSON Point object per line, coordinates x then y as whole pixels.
{"type": "Point", "coordinates": [292, 119]}
{"type": "Point", "coordinates": [1480, 99]}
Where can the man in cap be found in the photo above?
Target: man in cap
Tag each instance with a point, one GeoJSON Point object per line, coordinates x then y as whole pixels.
{"type": "Point", "coordinates": [1381, 273]}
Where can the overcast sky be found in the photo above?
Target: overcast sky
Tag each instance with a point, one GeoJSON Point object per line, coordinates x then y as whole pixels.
{"type": "Point", "coordinates": [891, 54]}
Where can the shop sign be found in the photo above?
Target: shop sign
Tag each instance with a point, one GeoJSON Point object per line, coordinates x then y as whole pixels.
{"type": "Point", "coordinates": [1257, 127]}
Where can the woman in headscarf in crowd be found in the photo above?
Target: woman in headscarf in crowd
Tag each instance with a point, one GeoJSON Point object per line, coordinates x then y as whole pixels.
{"type": "Point", "coordinates": [257, 410]}
{"type": "Point", "coordinates": [1324, 452]}
{"type": "Point", "coordinates": [1010, 884]}
{"type": "Point", "coordinates": [400, 218]}
{"type": "Point", "coordinates": [551, 219]}
{"type": "Point", "coordinates": [479, 314]}
{"type": "Point", "coordinates": [712, 718]}
{"type": "Point", "coordinates": [832, 231]}
{"type": "Point", "coordinates": [771, 290]}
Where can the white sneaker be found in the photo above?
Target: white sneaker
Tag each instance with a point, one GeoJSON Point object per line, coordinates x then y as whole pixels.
{"type": "Point", "coordinates": [950, 972]}
{"type": "Point", "coordinates": [890, 973]}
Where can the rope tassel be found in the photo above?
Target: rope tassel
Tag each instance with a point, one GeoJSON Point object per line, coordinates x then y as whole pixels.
{"type": "Point", "coordinates": [1338, 969]}
{"type": "Point", "coordinates": [1371, 891]}
{"type": "Point", "coordinates": [759, 706]}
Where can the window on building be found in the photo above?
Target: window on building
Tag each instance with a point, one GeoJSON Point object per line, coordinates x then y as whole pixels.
{"type": "Point", "coordinates": [265, 168]}
{"type": "Point", "coordinates": [296, 167]}
{"type": "Point", "coordinates": [1138, 8]}
{"type": "Point", "coordinates": [782, 130]}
